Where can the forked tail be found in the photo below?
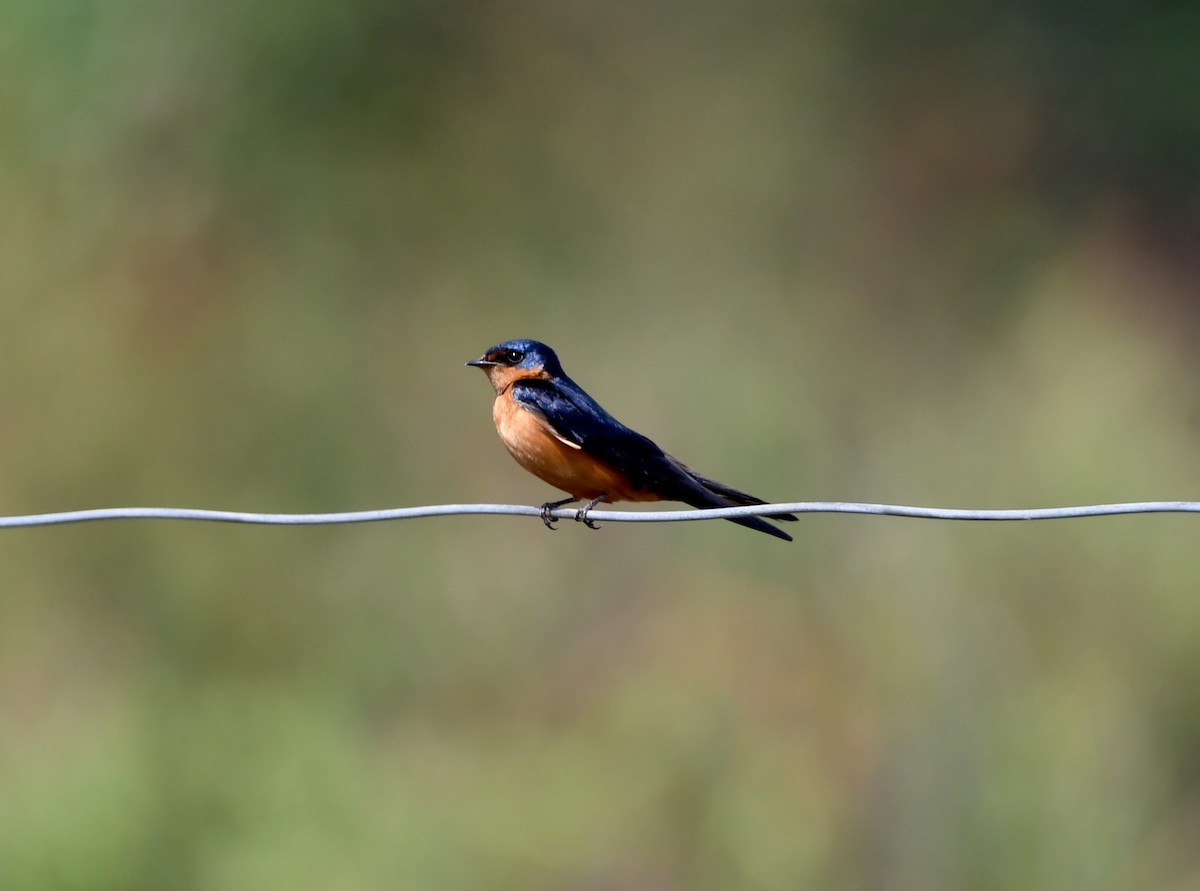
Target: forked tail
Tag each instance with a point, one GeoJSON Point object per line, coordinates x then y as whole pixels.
{"type": "Point", "coordinates": [710, 493]}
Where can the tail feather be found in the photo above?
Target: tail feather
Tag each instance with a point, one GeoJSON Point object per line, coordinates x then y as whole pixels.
{"type": "Point", "coordinates": [710, 493]}
{"type": "Point", "coordinates": [736, 496]}
{"type": "Point", "coordinates": [756, 523]}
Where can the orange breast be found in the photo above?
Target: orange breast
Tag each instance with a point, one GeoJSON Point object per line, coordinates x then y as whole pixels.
{"type": "Point", "coordinates": [532, 442]}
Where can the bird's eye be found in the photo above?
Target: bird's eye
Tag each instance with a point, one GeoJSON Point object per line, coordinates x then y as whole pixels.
{"type": "Point", "coordinates": [513, 357]}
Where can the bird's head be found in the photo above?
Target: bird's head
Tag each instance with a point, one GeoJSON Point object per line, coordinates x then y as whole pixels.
{"type": "Point", "coordinates": [516, 359]}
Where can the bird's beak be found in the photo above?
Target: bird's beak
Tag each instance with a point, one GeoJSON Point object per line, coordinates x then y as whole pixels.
{"type": "Point", "coordinates": [481, 362]}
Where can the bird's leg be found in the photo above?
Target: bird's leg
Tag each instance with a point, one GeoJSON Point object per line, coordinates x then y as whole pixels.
{"type": "Point", "coordinates": [552, 505]}
{"type": "Point", "coordinates": [581, 516]}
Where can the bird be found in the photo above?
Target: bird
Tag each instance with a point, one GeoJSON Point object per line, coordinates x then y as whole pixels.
{"type": "Point", "coordinates": [559, 433]}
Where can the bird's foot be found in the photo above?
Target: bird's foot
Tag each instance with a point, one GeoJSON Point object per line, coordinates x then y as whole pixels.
{"type": "Point", "coordinates": [553, 505]}
{"type": "Point", "coordinates": [581, 516]}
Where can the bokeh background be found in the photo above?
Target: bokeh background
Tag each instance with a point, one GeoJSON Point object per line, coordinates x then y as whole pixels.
{"type": "Point", "coordinates": [944, 254]}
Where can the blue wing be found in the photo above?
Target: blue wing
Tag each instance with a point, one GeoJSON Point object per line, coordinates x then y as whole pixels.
{"type": "Point", "coordinates": [578, 418]}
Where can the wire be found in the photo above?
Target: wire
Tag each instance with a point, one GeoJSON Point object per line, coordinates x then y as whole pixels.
{"type": "Point", "coordinates": [667, 516]}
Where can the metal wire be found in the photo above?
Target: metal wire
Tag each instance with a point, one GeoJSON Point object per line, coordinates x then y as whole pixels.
{"type": "Point", "coordinates": [611, 516]}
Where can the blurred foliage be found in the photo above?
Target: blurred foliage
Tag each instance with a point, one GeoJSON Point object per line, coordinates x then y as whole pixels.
{"type": "Point", "coordinates": [920, 252]}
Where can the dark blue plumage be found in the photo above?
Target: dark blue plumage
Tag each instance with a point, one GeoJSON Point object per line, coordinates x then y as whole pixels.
{"type": "Point", "coordinates": [529, 373]}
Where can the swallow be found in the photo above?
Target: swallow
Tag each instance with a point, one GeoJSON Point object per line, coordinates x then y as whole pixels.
{"type": "Point", "coordinates": [559, 433]}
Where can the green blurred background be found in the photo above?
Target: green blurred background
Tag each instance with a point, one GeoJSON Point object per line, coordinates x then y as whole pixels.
{"type": "Point", "coordinates": [930, 253]}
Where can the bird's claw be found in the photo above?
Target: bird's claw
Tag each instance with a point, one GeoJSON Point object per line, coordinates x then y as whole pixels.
{"type": "Point", "coordinates": [581, 515]}
{"type": "Point", "coordinates": [549, 506]}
